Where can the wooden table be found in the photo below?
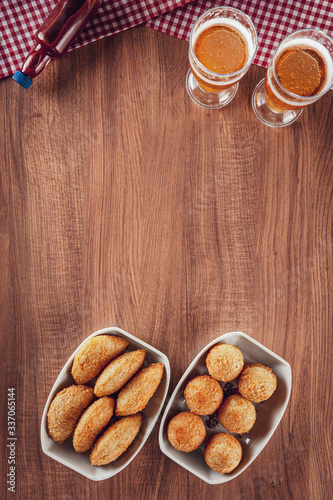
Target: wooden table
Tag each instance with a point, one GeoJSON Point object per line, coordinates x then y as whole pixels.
{"type": "Point", "coordinates": [124, 204]}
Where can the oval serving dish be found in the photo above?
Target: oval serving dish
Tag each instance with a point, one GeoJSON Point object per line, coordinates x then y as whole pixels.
{"type": "Point", "coordinates": [269, 413]}
{"type": "Point", "coordinates": [65, 453]}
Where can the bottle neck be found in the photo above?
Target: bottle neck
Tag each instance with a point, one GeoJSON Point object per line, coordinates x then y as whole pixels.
{"type": "Point", "coordinates": [36, 61]}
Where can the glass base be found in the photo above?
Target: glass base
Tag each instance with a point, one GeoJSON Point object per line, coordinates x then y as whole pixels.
{"type": "Point", "coordinates": [212, 100]}
{"type": "Point", "coordinates": [266, 115]}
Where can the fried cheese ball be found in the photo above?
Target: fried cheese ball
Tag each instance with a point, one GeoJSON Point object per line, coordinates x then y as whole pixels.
{"type": "Point", "coordinates": [66, 409]}
{"type": "Point", "coordinates": [186, 431]}
{"type": "Point", "coordinates": [119, 372]}
{"type": "Point", "coordinates": [136, 394]}
{"type": "Point", "coordinates": [203, 395]}
{"type": "Point", "coordinates": [257, 382]}
{"type": "Point", "coordinates": [91, 423]}
{"type": "Point", "coordinates": [115, 440]}
{"type": "Point", "coordinates": [223, 452]}
{"type": "Point", "coordinates": [224, 362]}
{"type": "Point", "coordinates": [237, 414]}
{"type": "Point", "coordinates": [94, 355]}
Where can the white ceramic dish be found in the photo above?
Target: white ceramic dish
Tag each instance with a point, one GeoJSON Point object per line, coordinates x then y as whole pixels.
{"type": "Point", "coordinates": [269, 413]}
{"type": "Point", "coordinates": [65, 453]}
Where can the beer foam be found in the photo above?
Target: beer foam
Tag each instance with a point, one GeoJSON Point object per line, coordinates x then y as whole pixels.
{"type": "Point", "coordinates": [305, 44]}
{"type": "Point", "coordinates": [229, 23]}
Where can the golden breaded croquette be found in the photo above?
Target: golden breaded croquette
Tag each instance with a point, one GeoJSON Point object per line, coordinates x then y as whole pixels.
{"type": "Point", "coordinates": [94, 355]}
{"type": "Point", "coordinates": [186, 431]}
{"type": "Point", "coordinates": [136, 394]}
{"type": "Point", "coordinates": [66, 409]}
{"type": "Point", "coordinates": [119, 372]}
{"type": "Point", "coordinates": [115, 440]}
{"type": "Point", "coordinates": [223, 452]}
{"type": "Point", "coordinates": [257, 382]}
{"type": "Point", "coordinates": [203, 395]}
{"type": "Point", "coordinates": [224, 362]}
{"type": "Point", "coordinates": [91, 423]}
{"type": "Point", "coordinates": [237, 414]}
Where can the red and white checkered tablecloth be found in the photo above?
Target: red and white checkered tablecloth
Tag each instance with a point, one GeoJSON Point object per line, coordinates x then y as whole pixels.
{"type": "Point", "coordinates": [19, 20]}
{"type": "Point", "coordinates": [273, 19]}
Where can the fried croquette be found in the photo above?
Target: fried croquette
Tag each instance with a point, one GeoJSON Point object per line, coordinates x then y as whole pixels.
{"type": "Point", "coordinates": [257, 382]}
{"type": "Point", "coordinates": [203, 395]}
{"type": "Point", "coordinates": [237, 414]}
{"type": "Point", "coordinates": [136, 394]}
{"type": "Point", "coordinates": [119, 372]}
{"type": "Point", "coordinates": [186, 431]}
{"type": "Point", "coordinates": [91, 423]}
{"type": "Point", "coordinates": [115, 440]}
{"type": "Point", "coordinates": [223, 452]}
{"type": "Point", "coordinates": [66, 409]}
{"type": "Point", "coordinates": [94, 355]}
{"type": "Point", "coordinates": [224, 362]}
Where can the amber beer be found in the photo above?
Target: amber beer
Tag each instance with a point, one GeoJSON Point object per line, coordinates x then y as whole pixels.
{"type": "Point", "coordinates": [302, 69]}
{"type": "Point", "coordinates": [299, 74]}
{"type": "Point", "coordinates": [223, 43]}
{"type": "Point", "coordinates": [221, 49]}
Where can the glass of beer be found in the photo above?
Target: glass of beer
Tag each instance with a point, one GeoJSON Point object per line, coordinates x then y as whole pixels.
{"type": "Point", "coordinates": [223, 43]}
{"type": "Point", "coordinates": [300, 73]}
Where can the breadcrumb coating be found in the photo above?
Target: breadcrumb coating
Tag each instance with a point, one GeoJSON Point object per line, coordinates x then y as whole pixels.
{"type": "Point", "coordinates": [115, 440]}
{"type": "Point", "coordinates": [119, 372]}
{"type": "Point", "coordinates": [91, 423]}
{"type": "Point", "coordinates": [224, 362]}
{"type": "Point", "coordinates": [135, 395]}
{"type": "Point", "coordinates": [94, 355]}
{"type": "Point", "coordinates": [223, 452]}
{"type": "Point", "coordinates": [66, 409]}
{"type": "Point", "coordinates": [186, 431]}
{"type": "Point", "coordinates": [257, 382]}
{"type": "Point", "coordinates": [203, 395]}
{"type": "Point", "coordinates": [237, 414]}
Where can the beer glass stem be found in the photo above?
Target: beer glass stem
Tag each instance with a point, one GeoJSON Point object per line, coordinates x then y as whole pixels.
{"type": "Point", "coordinates": [211, 100]}
{"type": "Point", "coordinates": [266, 114]}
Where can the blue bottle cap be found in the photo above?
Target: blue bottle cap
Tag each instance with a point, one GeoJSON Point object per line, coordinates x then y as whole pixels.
{"type": "Point", "coordinates": [22, 79]}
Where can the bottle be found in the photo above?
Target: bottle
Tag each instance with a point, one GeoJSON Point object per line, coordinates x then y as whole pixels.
{"type": "Point", "coordinates": [64, 23]}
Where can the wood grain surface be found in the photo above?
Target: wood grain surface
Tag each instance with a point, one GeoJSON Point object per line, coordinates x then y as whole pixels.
{"type": "Point", "coordinates": [124, 204]}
